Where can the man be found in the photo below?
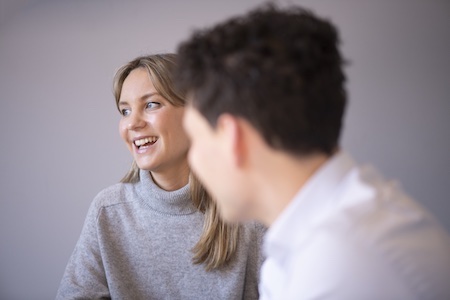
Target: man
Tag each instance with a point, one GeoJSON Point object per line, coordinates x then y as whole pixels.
{"type": "Point", "coordinates": [267, 98]}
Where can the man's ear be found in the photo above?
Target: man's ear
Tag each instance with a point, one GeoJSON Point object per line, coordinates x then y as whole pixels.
{"type": "Point", "coordinates": [230, 130]}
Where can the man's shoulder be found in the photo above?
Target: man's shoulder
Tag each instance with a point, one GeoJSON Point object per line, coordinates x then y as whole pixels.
{"type": "Point", "coordinates": [374, 220]}
{"type": "Point", "coordinates": [375, 209]}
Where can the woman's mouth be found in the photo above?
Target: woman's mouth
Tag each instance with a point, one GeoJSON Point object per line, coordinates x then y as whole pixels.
{"type": "Point", "coordinates": [144, 143]}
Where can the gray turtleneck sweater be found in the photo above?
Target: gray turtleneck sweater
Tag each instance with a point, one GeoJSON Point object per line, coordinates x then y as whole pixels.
{"type": "Point", "coordinates": [136, 244]}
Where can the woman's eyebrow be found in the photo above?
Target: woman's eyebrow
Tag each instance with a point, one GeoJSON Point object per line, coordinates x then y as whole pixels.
{"type": "Point", "coordinates": [122, 102]}
{"type": "Point", "coordinates": [146, 96]}
{"type": "Point", "coordinates": [142, 98]}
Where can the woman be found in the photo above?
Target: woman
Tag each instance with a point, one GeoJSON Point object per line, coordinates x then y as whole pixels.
{"type": "Point", "coordinates": [157, 234]}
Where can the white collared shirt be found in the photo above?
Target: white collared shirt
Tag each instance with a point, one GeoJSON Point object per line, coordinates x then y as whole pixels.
{"type": "Point", "coordinates": [349, 234]}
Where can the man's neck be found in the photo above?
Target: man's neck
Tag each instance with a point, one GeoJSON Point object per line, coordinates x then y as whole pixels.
{"type": "Point", "coordinates": [280, 179]}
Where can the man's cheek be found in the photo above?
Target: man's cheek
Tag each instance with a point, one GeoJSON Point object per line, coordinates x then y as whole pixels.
{"type": "Point", "coordinates": [192, 158]}
{"type": "Point", "coordinates": [196, 159]}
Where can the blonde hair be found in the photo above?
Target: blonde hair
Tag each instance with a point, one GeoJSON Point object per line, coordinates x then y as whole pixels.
{"type": "Point", "coordinates": [218, 241]}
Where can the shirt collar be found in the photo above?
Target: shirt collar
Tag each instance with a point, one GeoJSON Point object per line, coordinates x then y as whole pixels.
{"type": "Point", "coordinates": [307, 206]}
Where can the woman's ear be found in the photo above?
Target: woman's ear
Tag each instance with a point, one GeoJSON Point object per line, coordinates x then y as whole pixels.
{"type": "Point", "coordinates": [230, 131]}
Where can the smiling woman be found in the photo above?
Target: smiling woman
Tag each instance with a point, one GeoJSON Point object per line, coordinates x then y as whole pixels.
{"type": "Point", "coordinates": [158, 234]}
{"type": "Point", "coordinates": [151, 128]}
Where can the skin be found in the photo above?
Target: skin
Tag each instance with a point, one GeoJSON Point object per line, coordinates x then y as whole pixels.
{"type": "Point", "coordinates": [145, 113]}
{"type": "Point", "coordinates": [248, 178]}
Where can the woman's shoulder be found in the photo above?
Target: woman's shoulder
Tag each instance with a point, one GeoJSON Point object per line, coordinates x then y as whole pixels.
{"type": "Point", "coordinates": [254, 229]}
{"type": "Point", "coordinates": [254, 225]}
{"type": "Point", "coordinates": [115, 194]}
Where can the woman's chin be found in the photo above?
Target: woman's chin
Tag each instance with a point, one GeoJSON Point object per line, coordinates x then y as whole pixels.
{"type": "Point", "coordinates": [146, 166]}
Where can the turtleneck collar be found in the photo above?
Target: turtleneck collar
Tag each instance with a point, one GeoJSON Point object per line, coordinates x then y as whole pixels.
{"type": "Point", "coordinates": [176, 202]}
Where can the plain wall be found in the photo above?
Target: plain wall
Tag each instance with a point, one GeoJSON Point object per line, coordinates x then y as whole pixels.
{"type": "Point", "coordinates": [59, 127]}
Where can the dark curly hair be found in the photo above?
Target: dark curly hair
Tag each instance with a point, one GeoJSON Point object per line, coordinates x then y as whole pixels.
{"type": "Point", "coordinates": [280, 69]}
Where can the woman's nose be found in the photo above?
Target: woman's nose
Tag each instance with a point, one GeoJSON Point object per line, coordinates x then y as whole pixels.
{"type": "Point", "coordinates": [135, 121]}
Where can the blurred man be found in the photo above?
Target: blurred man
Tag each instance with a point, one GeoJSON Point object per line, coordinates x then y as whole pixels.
{"type": "Point", "coordinates": [267, 99]}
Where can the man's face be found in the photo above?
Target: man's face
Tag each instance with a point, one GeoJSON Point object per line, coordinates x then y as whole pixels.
{"type": "Point", "coordinates": [212, 159]}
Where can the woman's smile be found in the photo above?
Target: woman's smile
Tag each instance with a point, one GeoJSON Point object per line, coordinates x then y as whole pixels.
{"type": "Point", "coordinates": [142, 145]}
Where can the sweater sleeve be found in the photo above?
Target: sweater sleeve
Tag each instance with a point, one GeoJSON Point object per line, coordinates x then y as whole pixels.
{"type": "Point", "coordinates": [84, 277]}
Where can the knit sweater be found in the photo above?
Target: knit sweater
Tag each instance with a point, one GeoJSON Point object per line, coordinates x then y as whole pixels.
{"type": "Point", "coordinates": [137, 243]}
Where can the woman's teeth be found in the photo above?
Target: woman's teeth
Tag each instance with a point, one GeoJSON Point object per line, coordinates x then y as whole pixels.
{"type": "Point", "coordinates": [144, 141]}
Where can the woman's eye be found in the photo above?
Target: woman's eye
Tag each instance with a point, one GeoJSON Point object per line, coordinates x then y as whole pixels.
{"type": "Point", "coordinates": [152, 105]}
{"type": "Point", "coordinates": [125, 112]}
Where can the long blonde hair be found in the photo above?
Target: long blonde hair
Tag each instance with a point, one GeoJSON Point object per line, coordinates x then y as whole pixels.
{"type": "Point", "coordinates": [218, 241]}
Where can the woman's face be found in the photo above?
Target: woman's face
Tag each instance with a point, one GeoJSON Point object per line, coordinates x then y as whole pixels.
{"type": "Point", "coordinates": [150, 126]}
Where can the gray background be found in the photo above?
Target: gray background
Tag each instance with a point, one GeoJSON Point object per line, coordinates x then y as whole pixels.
{"type": "Point", "coordinates": [59, 128]}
